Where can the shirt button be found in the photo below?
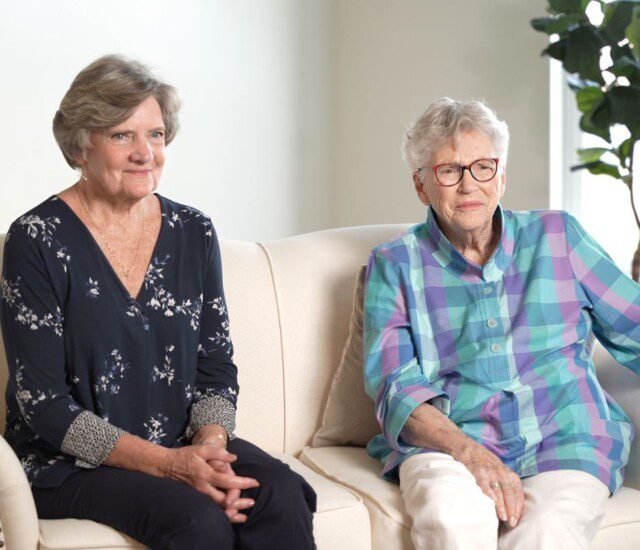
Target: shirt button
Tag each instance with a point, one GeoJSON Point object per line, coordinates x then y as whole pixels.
{"type": "Point", "coordinates": [487, 290]}
{"type": "Point", "coordinates": [492, 323]}
{"type": "Point", "coordinates": [495, 348]}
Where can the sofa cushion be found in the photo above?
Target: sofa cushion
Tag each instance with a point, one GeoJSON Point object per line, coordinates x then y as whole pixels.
{"type": "Point", "coordinates": [313, 277]}
{"type": "Point", "coordinates": [341, 521]}
{"type": "Point", "coordinates": [349, 417]}
{"type": "Point", "coordinates": [65, 534]}
{"type": "Point", "coordinates": [353, 468]}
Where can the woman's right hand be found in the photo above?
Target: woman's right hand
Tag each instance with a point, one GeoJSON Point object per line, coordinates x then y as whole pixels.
{"type": "Point", "coordinates": [496, 480]}
{"type": "Point", "coordinates": [191, 465]}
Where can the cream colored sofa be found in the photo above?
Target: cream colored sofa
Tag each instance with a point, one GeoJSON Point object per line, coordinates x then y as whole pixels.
{"type": "Point", "coordinates": [290, 302]}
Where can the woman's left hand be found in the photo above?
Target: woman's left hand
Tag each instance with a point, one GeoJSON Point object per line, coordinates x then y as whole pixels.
{"type": "Point", "coordinates": [233, 504]}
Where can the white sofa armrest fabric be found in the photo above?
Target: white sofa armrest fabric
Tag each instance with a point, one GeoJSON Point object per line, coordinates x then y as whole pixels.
{"type": "Point", "coordinates": [17, 509]}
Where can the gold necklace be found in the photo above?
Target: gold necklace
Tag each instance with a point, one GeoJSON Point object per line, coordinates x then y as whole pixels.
{"type": "Point", "coordinates": [125, 271]}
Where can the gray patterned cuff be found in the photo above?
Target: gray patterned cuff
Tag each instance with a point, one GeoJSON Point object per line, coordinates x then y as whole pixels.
{"type": "Point", "coordinates": [90, 439]}
{"type": "Point", "coordinates": [212, 410]}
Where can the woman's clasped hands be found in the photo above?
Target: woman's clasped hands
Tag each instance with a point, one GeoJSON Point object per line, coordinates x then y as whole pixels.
{"type": "Point", "coordinates": [207, 468]}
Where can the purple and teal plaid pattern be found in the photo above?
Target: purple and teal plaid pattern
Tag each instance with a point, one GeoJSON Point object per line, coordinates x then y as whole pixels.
{"type": "Point", "coordinates": [503, 349]}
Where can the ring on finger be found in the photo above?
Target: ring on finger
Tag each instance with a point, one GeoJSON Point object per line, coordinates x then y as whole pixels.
{"type": "Point", "coordinates": [496, 485]}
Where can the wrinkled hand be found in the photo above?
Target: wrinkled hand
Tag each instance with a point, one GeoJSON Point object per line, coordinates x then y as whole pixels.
{"type": "Point", "coordinates": [233, 503]}
{"type": "Point", "coordinates": [207, 468]}
{"type": "Point", "coordinates": [489, 470]}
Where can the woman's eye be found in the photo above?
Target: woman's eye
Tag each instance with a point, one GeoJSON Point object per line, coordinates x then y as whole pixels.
{"type": "Point", "coordinates": [157, 134]}
{"type": "Point", "coordinates": [121, 138]}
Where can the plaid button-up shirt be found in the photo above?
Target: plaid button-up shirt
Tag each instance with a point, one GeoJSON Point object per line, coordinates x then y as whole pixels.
{"type": "Point", "coordinates": [503, 349]}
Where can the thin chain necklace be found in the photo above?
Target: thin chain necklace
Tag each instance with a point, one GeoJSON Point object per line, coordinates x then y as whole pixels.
{"type": "Point", "coordinates": [126, 271]}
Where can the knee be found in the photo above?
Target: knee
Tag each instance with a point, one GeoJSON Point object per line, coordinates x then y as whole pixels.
{"type": "Point", "coordinates": [193, 521]}
{"type": "Point", "coordinates": [286, 490]}
{"type": "Point", "coordinates": [449, 507]}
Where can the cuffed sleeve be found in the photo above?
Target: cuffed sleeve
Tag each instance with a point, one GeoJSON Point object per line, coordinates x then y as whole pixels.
{"type": "Point", "coordinates": [212, 410]}
{"type": "Point", "coordinates": [393, 377]}
{"type": "Point", "coordinates": [90, 439]}
{"type": "Point", "coordinates": [613, 297]}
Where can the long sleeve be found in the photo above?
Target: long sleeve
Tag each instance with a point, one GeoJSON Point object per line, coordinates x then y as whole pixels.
{"type": "Point", "coordinates": [216, 388]}
{"type": "Point", "coordinates": [393, 376]}
{"type": "Point", "coordinates": [613, 297]}
{"type": "Point", "coordinates": [32, 321]}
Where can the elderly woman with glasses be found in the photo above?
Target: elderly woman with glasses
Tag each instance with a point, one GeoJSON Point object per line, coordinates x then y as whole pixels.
{"type": "Point", "coordinates": [478, 333]}
{"type": "Point", "coordinates": [122, 387]}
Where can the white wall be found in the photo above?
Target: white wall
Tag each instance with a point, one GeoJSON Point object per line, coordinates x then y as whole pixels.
{"type": "Point", "coordinates": [394, 58]}
{"type": "Point", "coordinates": [293, 109]}
{"type": "Point", "coordinates": [244, 81]}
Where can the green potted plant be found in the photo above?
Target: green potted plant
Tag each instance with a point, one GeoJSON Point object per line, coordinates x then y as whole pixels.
{"type": "Point", "coordinates": [603, 64]}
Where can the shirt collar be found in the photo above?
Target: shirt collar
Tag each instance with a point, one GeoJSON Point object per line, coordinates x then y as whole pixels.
{"type": "Point", "coordinates": [448, 256]}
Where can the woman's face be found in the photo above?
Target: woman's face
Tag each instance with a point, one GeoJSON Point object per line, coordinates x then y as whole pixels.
{"type": "Point", "coordinates": [127, 160]}
{"type": "Point", "coordinates": [469, 206]}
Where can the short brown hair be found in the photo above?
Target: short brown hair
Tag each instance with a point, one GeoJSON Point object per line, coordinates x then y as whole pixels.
{"type": "Point", "coordinates": [105, 94]}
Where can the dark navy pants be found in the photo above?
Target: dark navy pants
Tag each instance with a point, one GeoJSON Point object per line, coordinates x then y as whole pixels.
{"type": "Point", "coordinates": [167, 514]}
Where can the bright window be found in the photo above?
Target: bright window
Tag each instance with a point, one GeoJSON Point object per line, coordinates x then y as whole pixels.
{"type": "Point", "coordinates": [601, 203]}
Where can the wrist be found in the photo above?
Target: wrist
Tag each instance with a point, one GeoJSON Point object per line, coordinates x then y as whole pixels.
{"type": "Point", "coordinates": [462, 448]}
{"type": "Point", "coordinates": [211, 434]}
{"type": "Point", "coordinates": [214, 440]}
{"type": "Point", "coordinates": [164, 463]}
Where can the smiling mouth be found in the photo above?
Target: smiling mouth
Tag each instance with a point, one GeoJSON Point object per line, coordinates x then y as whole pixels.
{"type": "Point", "coordinates": [469, 206]}
{"type": "Point", "coordinates": [138, 172]}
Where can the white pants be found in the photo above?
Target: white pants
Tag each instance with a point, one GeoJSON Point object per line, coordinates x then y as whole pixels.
{"type": "Point", "coordinates": [562, 510]}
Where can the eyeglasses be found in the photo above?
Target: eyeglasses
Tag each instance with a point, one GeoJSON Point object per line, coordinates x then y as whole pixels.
{"type": "Point", "coordinates": [450, 174]}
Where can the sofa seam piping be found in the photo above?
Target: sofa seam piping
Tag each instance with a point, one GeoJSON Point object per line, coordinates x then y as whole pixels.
{"type": "Point", "coordinates": [363, 495]}
{"type": "Point", "coordinates": [280, 331]}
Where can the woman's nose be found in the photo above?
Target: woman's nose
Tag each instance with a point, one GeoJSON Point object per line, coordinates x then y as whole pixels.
{"type": "Point", "coordinates": [467, 183]}
{"type": "Point", "coordinates": [142, 151]}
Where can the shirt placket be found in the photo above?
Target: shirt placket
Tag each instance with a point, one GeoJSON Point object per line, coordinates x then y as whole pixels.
{"type": "Point", "coordinates": [494, 337]}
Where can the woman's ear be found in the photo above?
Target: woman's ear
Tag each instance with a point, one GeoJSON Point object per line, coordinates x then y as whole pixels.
{"type": "Point", "coordinates": [419, 186]}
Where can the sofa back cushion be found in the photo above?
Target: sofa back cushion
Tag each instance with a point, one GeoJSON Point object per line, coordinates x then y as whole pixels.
{"type": "Point", "coordinates": [255, 333]}
{"type": "Point", "coordinates": [348, 417]}
{"type": "Point", "coordinates": [313, 276]}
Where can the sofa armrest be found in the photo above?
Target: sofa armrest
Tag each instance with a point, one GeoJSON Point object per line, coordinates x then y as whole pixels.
{"type": "Point", "coordinates": [624, 386]}
{"type": "Point", "coordinates": [17, 509]}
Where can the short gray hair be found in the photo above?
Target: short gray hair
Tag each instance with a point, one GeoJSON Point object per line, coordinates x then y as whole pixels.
{"type": "Point", "coordinates": [443, 121]}
{"type": "Point", "coordinates": [105, 94]}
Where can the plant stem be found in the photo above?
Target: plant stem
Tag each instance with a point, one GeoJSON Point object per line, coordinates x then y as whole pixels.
{"type": "Point", "coordinates": [633, 203]}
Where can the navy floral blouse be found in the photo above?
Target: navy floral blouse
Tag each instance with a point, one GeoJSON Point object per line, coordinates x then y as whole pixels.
{"type": "Point", "coordinates": [88, 362]}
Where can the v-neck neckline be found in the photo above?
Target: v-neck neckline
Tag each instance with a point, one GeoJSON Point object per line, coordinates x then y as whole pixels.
{"type": "Point", "coordinates": [104, 258]}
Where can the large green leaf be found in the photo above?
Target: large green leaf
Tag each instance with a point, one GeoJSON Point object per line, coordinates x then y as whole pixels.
{"type": "Point", "coordinates": [624, 150]}
{"type": "Point", "coordinates": [625, 107]}
{"type": "Point", "coordinates": [632, 32]}
{"type": "Point", "coordinates": [565, 6]}
{"type": "Point", "coordinates": [587, 125]}
{"type": "Point", "coordinates": [601, 115]}
{"type": "Point", "coordinates": [598, 168]}
{"type": "Point", "coordinates": [617, 16]}
{"type": "Point", "coordinates": [621, 52]}
{"type": "Point", "coordinates": [583, 53]}
{"type": "Point", "coordinates": [604, 168]}
{"type": "Point", "coordinates": [557, 25]}
{"type": "Point", "coordinates": [592, 154]}
{"type": "Point", "coordinates": [557, 50]}
{"type": "Point", "coordinates": [588, 98]}
{"type": "Point", "coordinates": [629, 68]}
